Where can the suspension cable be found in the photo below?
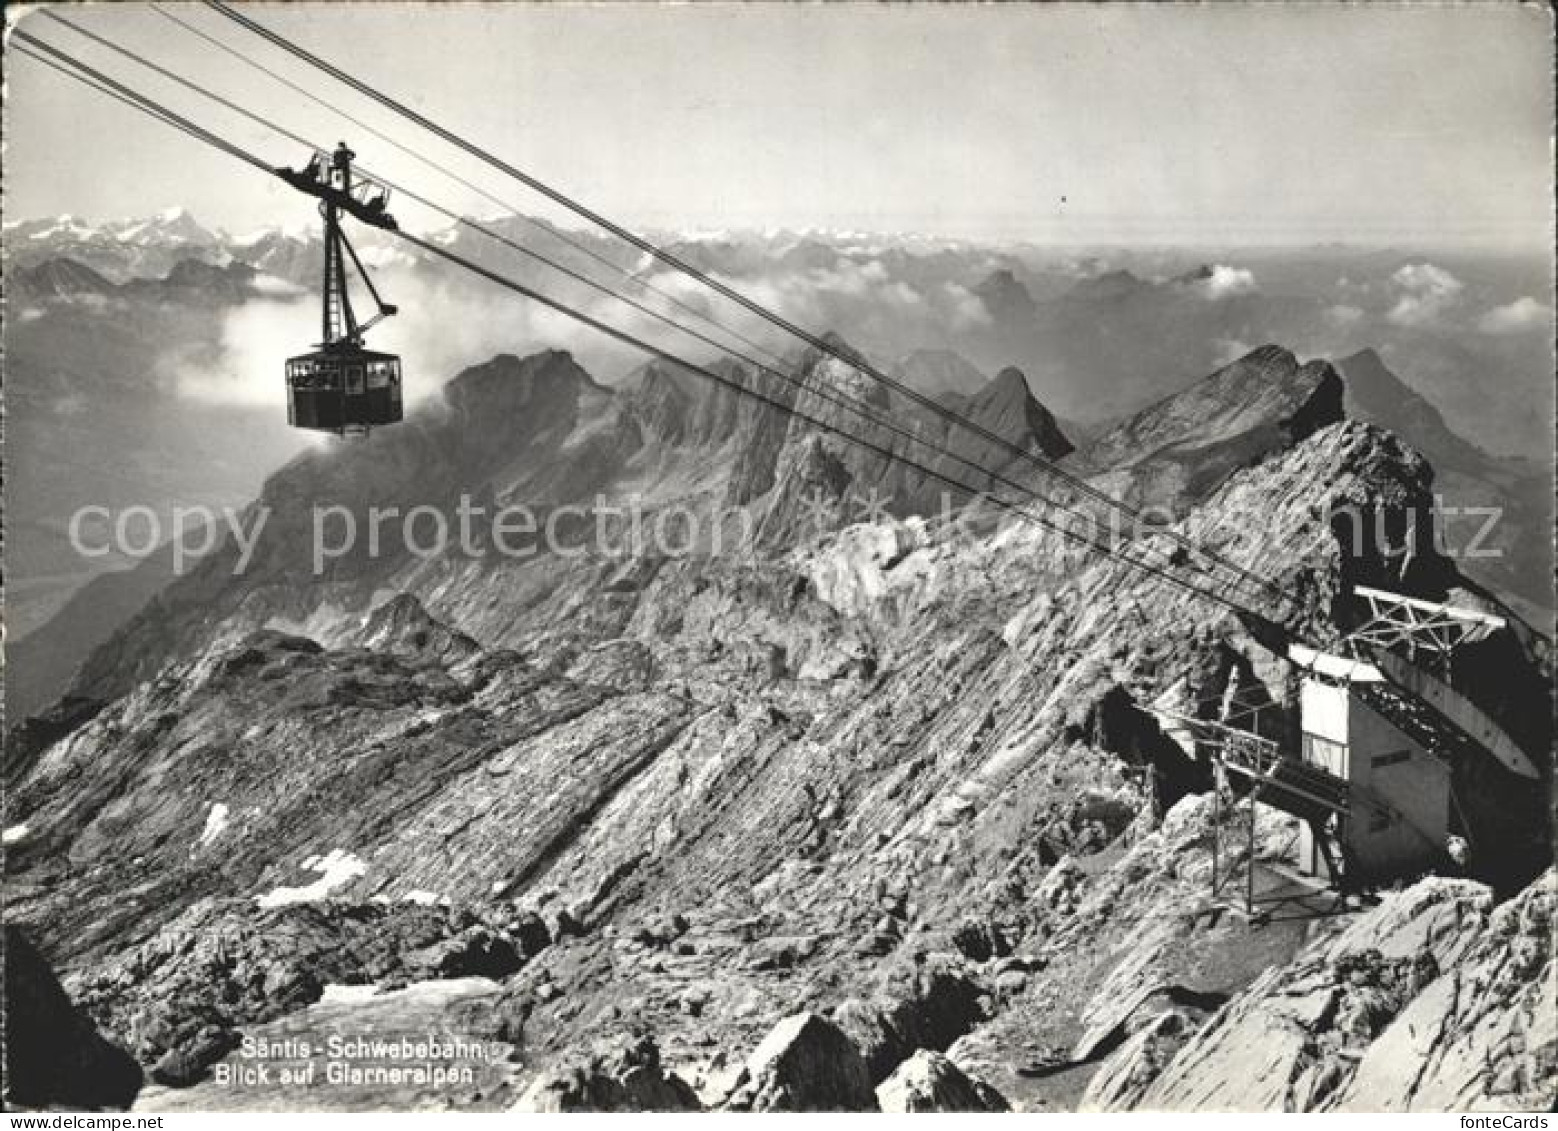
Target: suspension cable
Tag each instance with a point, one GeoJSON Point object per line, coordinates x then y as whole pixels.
{"type": "Point", "coordinates": [545, 229]}
{"type": "Point", "coordinates": [790, 410]}
{"type": "Point", "coordinates": [148, 105]}
{"type": "Point", "coordinates": [671, 260]}
{"type": "Point", "coordinates": [854, 405]}
{"type": "Point", "coordinates": [162, 113]}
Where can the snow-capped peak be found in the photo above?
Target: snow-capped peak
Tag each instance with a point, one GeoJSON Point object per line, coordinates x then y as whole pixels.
{"type": "Point", "coordinates": [171, 225]}
{"type": "Point", "coordinates": [62, 227]}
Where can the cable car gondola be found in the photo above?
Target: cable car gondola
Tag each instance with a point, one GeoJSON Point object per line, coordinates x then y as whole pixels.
{"type": "Point", "coordinates": [343, 387]}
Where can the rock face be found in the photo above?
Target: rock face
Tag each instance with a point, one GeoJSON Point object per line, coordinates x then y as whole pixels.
{"type": "Point", "coordinates": [870, 789]}
{"type": "Point", "coordinates": [1484, 1032]}
{"type": "Point", "coordinates": [733, 464]}
{"type": "Point", "coordinates": [1006, 407]}
{"type": "Point", "coordinates": [1121, 1081]}
{"type": "Point", "coordinates": [1261, 401]}
{"type": "Point", "coordinates": [928, 1081]}
{"type": "Point", "coordinates": [1512, 551]}
{"type": "Point", "coordinates": [805, 1064]}
{"type": "Point", "coordinates": [61, 278]}
{"type": "Point", "coordinates": [188, 281]}
{"type": "Point", "coordinates": [54, 1057]}
{"type": "Point", "coordinates": [1433, 1001]}
{"type": "Point", "coordinates": [401, 626]}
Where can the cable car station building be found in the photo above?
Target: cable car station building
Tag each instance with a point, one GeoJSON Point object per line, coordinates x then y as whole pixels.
{"type": "Point", "coordinates": [1397, 819]}
{"type": "Point", "coordinates": [1370, 773]}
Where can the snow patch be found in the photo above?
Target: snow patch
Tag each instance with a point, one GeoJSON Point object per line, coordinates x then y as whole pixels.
{"type": "Point", "coordinates": [335, 870]}
{"type": "Point", "coordinates": [65, 225]}
{"type": "Point", "coordinates": [335, 993]}
{"type": "Point", "coordinates": [424, 898]}
{"type": "Point", "coordinates": [216, 825]}
{"type": "Point", "coordinates": [15, 834]}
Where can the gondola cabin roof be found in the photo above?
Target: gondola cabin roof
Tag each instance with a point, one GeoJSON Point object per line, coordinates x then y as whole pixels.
{"type": "Point", "coordinates": [345, 353]}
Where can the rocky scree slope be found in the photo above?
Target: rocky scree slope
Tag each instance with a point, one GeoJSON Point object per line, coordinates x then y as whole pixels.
{"type": "Point", "coordinates": [881, 787]}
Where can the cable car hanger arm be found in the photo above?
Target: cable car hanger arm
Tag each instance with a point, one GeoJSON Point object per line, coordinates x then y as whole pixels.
{"type": "Point", "coordinates": [386, 309]}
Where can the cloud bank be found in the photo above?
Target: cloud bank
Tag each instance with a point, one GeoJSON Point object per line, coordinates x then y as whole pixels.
{"type": "Point", "coordinates": [1424, 293]}
{"type": "Point", "coordinates": [1226, 282]}
{"type": "Point", "coordinates": [1521, 316]}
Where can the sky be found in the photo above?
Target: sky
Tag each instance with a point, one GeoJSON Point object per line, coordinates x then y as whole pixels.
{"type": "Point", "coordinates": [1212, 124]}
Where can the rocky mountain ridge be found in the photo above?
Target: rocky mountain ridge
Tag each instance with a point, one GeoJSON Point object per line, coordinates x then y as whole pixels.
{"type": "Point", "coordinates": [1499, 509]}
{"type": "Point", "coordinates": [565, 440]}
{"type": "Point", "coordinates": [853, 820]}
{"type": "Point", "coordinates": [188, 280]}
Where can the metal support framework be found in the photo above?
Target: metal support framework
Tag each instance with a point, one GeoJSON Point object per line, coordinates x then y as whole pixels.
{"type": "Point", "coordinates": [1238, 706]}
{"type": "Point", "coordinates": [1273, 778]}
{"type": "Point", "coordinates": [1420, 701]}
{"type": "Point", "coordinates": [1421, 626]}
{"type": "Point", "coordinates": [330, 177]}
{"type": "Point", "coordinates": [338, 320]}
{"type": "Point", "coordinates": [1225, 855]}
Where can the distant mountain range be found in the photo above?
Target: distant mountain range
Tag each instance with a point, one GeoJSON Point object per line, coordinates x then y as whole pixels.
{"type": "Point", "coordinates": [118, 249]}
{"type": "Point", "coordinates": [108, 322]}
{"type": "Point", "coordinates": [193, 281]}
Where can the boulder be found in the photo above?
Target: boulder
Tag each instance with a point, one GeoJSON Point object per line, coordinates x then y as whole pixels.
{"type": "Point", "coordinates": [936, 1007]}
{"type": "Point", "coordinates": [626, 1076]}
{"type": "Point", "coordinates": [54, 1055]}
{"type": "Point", "coordinates": [928, 1081]}
{"type": "Point", "coordinates": [1123, 1077]}
{"type": "Point", "coordinates": [805, 1063]}
{"type": "Point", "coordinates": [185, 1064]}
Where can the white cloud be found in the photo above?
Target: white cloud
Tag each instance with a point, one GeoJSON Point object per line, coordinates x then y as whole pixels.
{"type": "Point", "coordinates": [967, 309]}
{"type": "Point", "coordinates": [245, 365]}
{"type": "Point", "coordinates": [272, 287]}
{"type": "Point", "coordinates": [1226, 281]}
{"type": "Point", "coordinates": [1517, 317]}
{"type": "Point", "coordinates": [1343, 314]}
{"type": "Point", "coordinates": [1424, 293]}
